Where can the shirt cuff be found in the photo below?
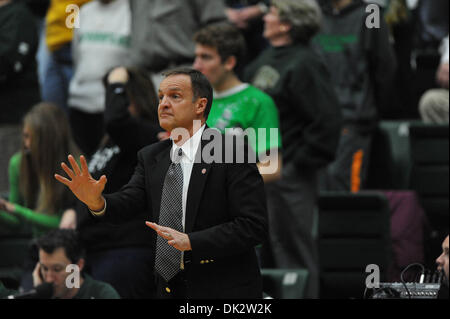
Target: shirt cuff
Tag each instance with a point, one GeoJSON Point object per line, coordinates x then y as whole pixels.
{"type": "Point", "coordinates": [100, 213]}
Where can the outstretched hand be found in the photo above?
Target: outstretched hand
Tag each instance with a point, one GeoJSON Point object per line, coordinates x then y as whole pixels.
{"type": "Point", "coordinates": [174, 238]}
{"type": "Point", "coordinates": [83, 186]}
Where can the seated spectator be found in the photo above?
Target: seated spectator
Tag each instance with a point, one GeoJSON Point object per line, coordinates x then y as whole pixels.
{"type": "Point", "coordinates": [219, 50]}
{"type": "Point", "coordinates": [131, 124]}
{"type": "Point", "coordinates": [296, 78]}
{"type": "Point", "coordinates": [101, 43]}
{"type": "Point", "coordinates": [34, 196]}
{"type": "Point", "coordinates": [362, 65]}
{"type": "Point", "coordinates": [36, 203]}
{"type": "Point", "coordinates": [19, 88]}
{"type": "Point", "coordinates": [434, 104]}
{"type": "Point", "coordinates": [59, 249]}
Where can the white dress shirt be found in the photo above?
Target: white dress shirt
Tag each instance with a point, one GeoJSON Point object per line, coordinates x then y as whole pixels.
{"type": "Point", "coordinates": [189, 148]}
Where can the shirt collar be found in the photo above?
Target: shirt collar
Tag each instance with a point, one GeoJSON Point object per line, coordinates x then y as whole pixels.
{"type": "Point", "coordinates": [232, 91]}
{"type": "Point", "coordinates": [190, 146]}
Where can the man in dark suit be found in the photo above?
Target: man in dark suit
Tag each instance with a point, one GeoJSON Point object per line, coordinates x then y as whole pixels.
{"type": "Point", "coordinates": [208, 216]}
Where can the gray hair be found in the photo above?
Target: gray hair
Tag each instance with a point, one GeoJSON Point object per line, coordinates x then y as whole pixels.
{"type": "Point", "coordinates": [304, 16]}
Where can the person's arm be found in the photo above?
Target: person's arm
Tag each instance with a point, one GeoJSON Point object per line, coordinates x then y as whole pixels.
{"type": "Point", "coordinates": [130, 200]}
{"type": "Point", "coordinates": [113, 208]}
{"type": "Point", "coordinates": [382, 63]}
{"type": "Point", "coordinates": [130, 133]}
{"type": "Point", "coordinates": [36, 217]}
{"type": "Point", "coordinates": [270, 167]}
{"type": "Point", "coordinates": [18, 43]}
{"type": "Point", "coordinates": [269, 150]}
{"type": "Point", "coordinates": [8, 219]}
{"type": "Point", "coordinates": [13, 174]}
{"type": "Point", "coordinates": [68, 219]}
{"type": "Point", "coordinates": [208, 11]}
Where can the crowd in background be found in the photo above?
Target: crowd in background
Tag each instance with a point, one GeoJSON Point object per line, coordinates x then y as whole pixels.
{"type": "Point", "coordinates": [314, 70]}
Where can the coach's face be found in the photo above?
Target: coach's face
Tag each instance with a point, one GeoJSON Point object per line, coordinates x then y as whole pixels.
{"type": "Point", "coordinates": [177, 107]}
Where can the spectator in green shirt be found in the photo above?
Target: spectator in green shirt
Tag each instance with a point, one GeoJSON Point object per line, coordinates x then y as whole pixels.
{"type": "Point", "coordinates": [61, 262]}
{"type": "Point", "coordinates": [237, 105]}
{"type": "Point", "coordinates": [34, 195]}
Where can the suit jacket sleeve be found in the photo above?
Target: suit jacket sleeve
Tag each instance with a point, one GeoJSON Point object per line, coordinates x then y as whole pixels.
{"type": "Point", "coordinates": [248, 218]}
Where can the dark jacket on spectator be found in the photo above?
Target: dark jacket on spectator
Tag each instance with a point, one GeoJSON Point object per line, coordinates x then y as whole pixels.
{"type": "Point", "coordinates": [361, 61]}
{"type": "Point", "coordinates": [299, 83]}
{"type": "Point", "coordinates": [19, 89]}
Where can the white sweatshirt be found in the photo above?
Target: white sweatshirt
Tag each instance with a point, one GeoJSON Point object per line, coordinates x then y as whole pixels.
{"type": "Point", "coordinates": [101, 43]}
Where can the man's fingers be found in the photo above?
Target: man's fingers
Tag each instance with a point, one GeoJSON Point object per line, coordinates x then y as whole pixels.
{"type": "Point", "coordinates": [74, 165]}
{"type": "Point", "coordinates": [84, 166]}
{"type": "Point", "coordinates": [63, 180]}
{"type": "Point", "coordinates": [67, 170]}
{"type": "Point", "coordinates": [102, 180]}
{"type": "Point", "coordinates": [152, 226]}
{"type": "Point", "coordinates": [172, 242]}
{"type": "Point", "coordinates": [162, 231]}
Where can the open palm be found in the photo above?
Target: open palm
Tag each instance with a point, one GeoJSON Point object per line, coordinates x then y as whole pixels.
{"type": "Point", "coordinates": [83, 186]}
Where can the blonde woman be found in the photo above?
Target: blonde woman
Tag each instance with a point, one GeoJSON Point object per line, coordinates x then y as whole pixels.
{"type": "Point", "coordinates": [34, 196]}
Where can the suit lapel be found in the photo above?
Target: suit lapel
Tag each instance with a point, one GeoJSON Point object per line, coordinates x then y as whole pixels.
{"type": "Point", "coordinates": [158, 173]}
{"type": "Point", "coordinates": [197, 183]}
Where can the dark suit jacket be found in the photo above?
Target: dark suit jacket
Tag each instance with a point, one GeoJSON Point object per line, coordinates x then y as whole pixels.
{"type": "Point", "coordinates": [226, 217]}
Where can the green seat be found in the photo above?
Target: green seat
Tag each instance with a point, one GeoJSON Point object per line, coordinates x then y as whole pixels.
{"type": "Point", "coordinates": [284, 283]}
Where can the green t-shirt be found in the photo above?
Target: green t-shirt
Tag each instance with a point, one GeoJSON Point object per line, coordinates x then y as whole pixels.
{"type": "Point", "coordinates": [247, 107]}
{"type": "Point", "coordinates": [94, 289]}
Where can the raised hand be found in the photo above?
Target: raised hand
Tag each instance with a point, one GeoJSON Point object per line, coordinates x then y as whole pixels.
{"type": "Point", "coordinates": [83, 186]}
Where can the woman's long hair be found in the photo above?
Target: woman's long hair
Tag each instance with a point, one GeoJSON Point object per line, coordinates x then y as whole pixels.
{"type": "Point", "coordinates": [142, 94]}
{"type": "Point", "coordinates": [51, 142]}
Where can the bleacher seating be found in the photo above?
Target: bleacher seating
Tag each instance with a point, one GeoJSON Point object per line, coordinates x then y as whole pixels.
{"type": "Point", "coordinates": [390, 160]}
{"type": "Point", "coordinates": [354, 232]}
{"type": "Point", "coordinates": [430, 179]}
